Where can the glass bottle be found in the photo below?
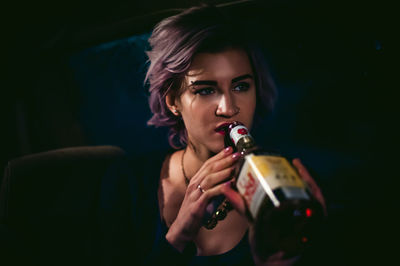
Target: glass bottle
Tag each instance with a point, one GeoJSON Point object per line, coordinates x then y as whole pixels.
{"type": "Point", "coordinates": [284, 213]}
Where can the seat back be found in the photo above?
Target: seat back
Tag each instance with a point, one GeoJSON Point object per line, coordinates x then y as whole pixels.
{"type": "Point", "coordinates": [49, 202]}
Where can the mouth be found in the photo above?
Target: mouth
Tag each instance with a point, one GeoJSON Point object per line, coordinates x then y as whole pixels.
{"type": "Point", "coordinates": [221, 128]}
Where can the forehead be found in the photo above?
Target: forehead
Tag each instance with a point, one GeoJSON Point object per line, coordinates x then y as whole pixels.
{"type": "Point", "coordinates": [227, 64]}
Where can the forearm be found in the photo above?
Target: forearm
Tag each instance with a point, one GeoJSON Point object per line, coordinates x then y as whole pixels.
{"type": "Point", "coordinates": [176, 239]}
{"type": "Point", "coordinates": [165, 251]}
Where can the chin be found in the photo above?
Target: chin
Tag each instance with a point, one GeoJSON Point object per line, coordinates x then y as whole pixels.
{"type": "Point", "coordinates": [217, 147]}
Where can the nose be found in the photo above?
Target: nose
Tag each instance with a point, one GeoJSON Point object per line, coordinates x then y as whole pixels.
{"type": "Point", "coordinates": [226, 106]}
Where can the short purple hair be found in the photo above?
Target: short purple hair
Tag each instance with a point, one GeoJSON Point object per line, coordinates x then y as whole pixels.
{"type": "Point", "coordinates": [175, 41]}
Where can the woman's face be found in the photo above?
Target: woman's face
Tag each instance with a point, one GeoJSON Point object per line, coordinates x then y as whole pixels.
{"type": "Point", "coordinates": [218, 88]}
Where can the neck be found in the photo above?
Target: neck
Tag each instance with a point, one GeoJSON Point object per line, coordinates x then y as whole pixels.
{"type": "Point", "coordinates": [194, 159]}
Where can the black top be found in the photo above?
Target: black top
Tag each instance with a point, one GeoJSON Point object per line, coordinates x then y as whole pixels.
{"type": "Point", "coordinates": [133, 231]}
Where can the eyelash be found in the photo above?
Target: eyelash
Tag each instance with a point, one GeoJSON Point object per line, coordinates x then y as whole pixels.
{"type": "Point", "coordinates": [245, 86]}
{"type": "Point", "coordinates": [201, 91]}
{"type": "Point", "coordinates": [210, 90]}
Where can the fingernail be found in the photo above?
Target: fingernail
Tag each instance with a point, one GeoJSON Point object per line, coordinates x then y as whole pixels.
{"type": "Point", "coordinates": [229, 183]}
{"type": "Point", "coordinates": [227, 149]}
{"type": "Point", "coordinates": [235, 155]}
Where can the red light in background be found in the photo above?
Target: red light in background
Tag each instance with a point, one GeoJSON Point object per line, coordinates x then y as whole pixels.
{"type": "Point", "coordinates": [308, 212]}
{"type": "Point", "coordinates": [304, 239]}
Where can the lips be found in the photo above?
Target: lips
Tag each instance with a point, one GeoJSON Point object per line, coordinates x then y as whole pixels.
{"type": "Point", "coordinates": [221, 128]}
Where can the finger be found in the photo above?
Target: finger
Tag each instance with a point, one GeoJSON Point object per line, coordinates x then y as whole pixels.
{"type": "Point", "coordinates": [304, 172]}
{"type": "Point", "coordinates": [234, 197]}
{"type": "Point", "coordinates": [315, 190]}
{"type": "Point", "coordinates": [209, 194]}
{"type": "Point", "coordinates": [224, 189]}
{"type": "Point", "coordinates": [217, 178]}
{"type": "Point", "coordinates": [223, 163]}
{"type": "Point", "coordinates": [193, 192]}
{"type": "Point", "coordinates": [222, 154]}
{"type": "Point", "coordinates": [214, 165]}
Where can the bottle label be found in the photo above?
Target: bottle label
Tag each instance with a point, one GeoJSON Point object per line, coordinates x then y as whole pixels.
{"type": "Point", "coordinates": [238, 132]}
{"type": "Point", "coordinates": [261, 174]}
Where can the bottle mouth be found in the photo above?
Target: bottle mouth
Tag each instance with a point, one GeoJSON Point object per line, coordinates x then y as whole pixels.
{"type": "Point", "coordinates": [223, 128]}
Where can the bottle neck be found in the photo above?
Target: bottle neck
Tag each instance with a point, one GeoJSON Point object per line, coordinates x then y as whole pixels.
{"type": "Point", "coordinates": [238, 136]}
{"type": "Point", "coordinates": [245, 144]}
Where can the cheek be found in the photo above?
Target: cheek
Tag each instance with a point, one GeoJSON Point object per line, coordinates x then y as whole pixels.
{"type": "Point", "coordinates": [247, 109]}
{"type": "Point", "coordinates": [198, 113]}
{"type": "Point", "coordinates": [201, 106]}
{"type": "Point", "coordinates": [248, 101]}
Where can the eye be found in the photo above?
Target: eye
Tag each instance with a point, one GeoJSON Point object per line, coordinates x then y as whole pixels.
{"type": "Point", "coordinates": [205, 91]}
{"type": "Point", "coordinates": [242, 86]}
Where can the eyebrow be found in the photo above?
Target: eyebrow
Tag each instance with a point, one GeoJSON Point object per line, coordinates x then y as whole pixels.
{"type": "Point", "coordinates": [203, 82]}
{"type": "Point", "coordinates": [247, 76]}
{"type": "Point", "coordinates": [214, 83]}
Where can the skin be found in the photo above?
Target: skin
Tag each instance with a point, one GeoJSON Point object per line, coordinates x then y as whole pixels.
{"type": "Point", "coordinates": [229, 94]}
{"type": "Point", "coordinates": [219, 87]}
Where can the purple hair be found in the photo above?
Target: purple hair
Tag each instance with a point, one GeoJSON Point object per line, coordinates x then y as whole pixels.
{"type": "Point", "coordinates": [175, 41]}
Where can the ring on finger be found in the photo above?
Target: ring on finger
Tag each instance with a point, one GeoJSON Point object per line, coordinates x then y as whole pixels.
{"type": "Point", "coordinates": [201, 189]}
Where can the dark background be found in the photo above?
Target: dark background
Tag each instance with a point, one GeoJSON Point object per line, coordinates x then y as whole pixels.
{"type": "Point", "coordinates": [74, 73]}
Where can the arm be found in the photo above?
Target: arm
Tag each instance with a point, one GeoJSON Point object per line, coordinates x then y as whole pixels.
{"type": "Point", "coordinates": [190, 216]}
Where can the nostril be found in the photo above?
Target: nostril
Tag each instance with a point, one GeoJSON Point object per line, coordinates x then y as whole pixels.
{"type": "Point", "coordinates": [228, 113]}
{"type": "Point", "coordinates": [226, 107]}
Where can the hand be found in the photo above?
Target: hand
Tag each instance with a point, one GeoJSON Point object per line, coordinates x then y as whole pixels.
{"type": "Point", "coordinates": [239, 204]}
{"type": "Point", "coordinates": [203, 186]}
{"type": "Point", "coordinates": [315, 190]}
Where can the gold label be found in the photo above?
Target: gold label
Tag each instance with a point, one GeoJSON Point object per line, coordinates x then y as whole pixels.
{"type": "Point", "coordinates": [260, 175]}
{"type": "Point", "coordinates": [276, 171]}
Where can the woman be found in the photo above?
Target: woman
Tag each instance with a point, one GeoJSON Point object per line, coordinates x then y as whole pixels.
{"type": "Point", "coordinates": [203, 74]}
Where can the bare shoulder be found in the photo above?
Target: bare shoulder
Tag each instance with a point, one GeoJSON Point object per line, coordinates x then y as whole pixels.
{"type": "Point", "coordinates": [171, 172]}
{"type": "Point", "coordinates": [172, 187]}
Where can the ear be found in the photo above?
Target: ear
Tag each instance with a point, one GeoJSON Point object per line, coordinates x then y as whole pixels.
{"type": "Point", "coordinates": [171, 104]}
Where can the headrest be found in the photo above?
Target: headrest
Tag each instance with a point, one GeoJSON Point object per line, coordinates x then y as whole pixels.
{"type": "Point", "coordinates": [52, 179]}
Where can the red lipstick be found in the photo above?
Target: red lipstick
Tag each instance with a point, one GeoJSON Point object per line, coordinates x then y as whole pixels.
{"type": "Point", "coordinates": [221, 129]}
